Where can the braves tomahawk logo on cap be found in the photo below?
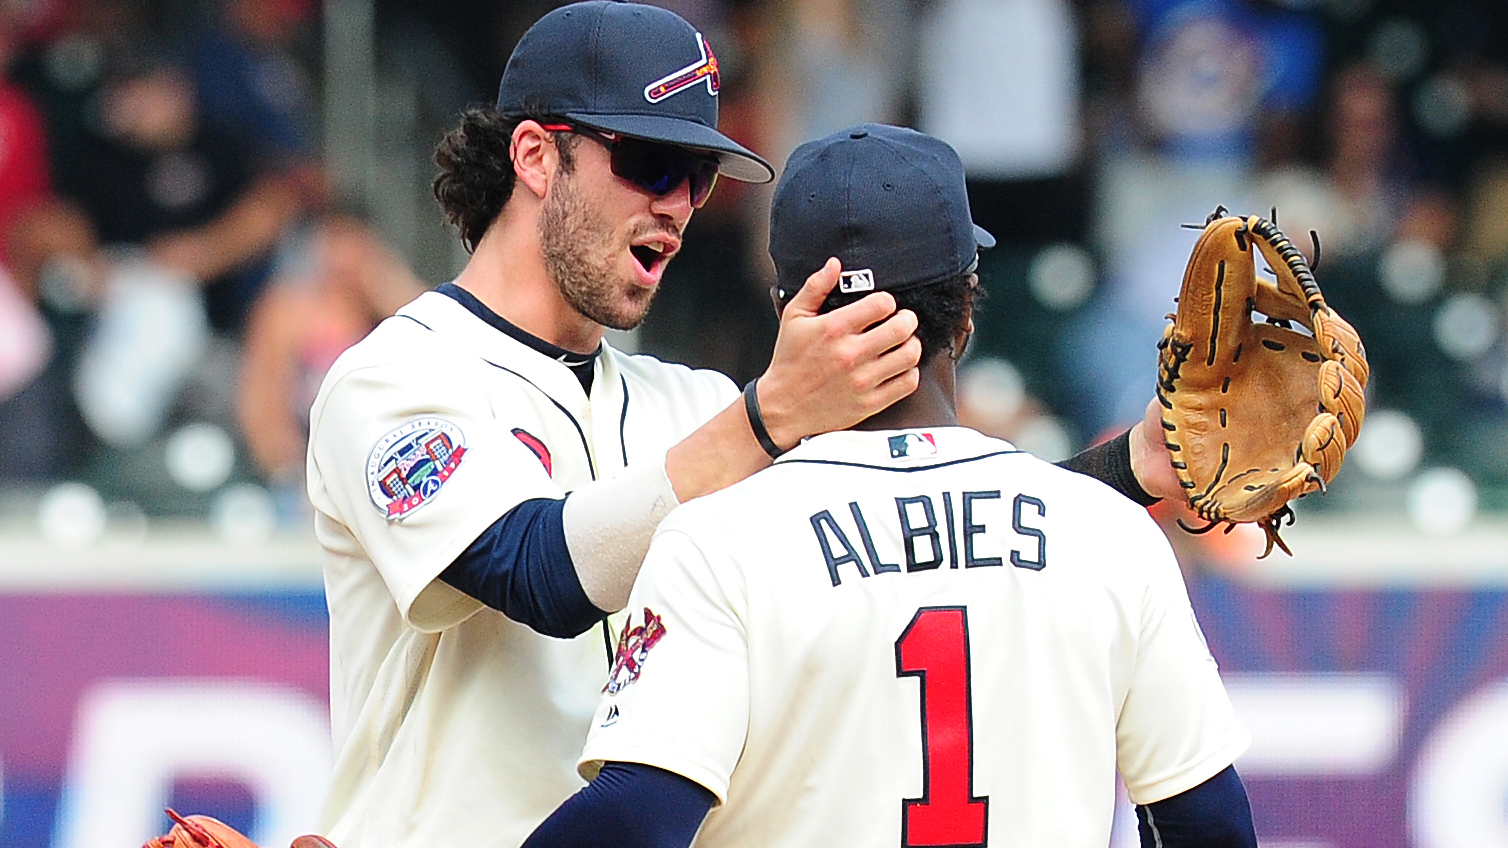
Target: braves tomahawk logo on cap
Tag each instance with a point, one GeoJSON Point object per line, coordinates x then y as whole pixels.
{"type": "Point", "coordinates": [676, 82]}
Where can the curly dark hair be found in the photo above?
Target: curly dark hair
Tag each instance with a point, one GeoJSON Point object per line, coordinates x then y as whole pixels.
{"type": "Point", "coordinates": [476, 169]}
{"type": "Point", "coordinates": [941, 309]}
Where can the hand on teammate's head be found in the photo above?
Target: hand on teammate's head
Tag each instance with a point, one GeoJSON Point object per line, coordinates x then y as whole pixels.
{"type": "Point", "coordinates": [831, 370]}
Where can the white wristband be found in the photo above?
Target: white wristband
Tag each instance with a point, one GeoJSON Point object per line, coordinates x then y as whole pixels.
{"type": "Point", "coordinates": [608, 525]}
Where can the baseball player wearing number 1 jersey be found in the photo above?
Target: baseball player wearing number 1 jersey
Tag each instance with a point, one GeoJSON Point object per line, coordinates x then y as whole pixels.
{"type": "Point", "coordinates": [907, 633]}
{"type": "Point", "coordinates": [487, 472]}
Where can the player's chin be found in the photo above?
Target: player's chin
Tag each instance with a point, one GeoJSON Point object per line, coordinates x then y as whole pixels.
{"type": "Point", "coordinates": [630, 309]}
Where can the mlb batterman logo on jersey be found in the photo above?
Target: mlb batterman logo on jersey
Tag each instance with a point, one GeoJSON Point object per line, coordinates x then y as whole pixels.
{"type": "Point", "coordinates": [912, 446]}
{"type": "Point", "coordinates": [409, 465]}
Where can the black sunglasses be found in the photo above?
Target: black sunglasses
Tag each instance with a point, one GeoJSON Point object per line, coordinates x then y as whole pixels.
{"type": "Point", "coordinates": [656, 168]}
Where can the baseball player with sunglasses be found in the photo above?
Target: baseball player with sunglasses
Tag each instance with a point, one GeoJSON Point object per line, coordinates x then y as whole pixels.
{"type": "Point", "coordinates": [487, 472]}
{"type": "Point", "coordinates": [907, 633]}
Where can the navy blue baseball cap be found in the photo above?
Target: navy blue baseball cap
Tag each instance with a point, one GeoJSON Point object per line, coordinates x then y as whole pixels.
{"type": "Point", "coordinates": [627, 68]}
{"type": "Point", "coordinates": [889, 202]}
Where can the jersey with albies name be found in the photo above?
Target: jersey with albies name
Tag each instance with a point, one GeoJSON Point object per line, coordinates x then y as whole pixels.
{"type": "Point", "coordinates": [454, 725]}
{"type": "Point", "coordinates": [912, 638]}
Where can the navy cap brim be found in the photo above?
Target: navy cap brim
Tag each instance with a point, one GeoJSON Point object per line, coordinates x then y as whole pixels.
{"type": "Point", "coordinates": [983, 238]}
{"type": "Point", "coordinates": [734, 160]}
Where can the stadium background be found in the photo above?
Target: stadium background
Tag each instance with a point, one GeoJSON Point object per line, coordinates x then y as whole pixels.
{"type": "Point", "coordinates": [160, 594]}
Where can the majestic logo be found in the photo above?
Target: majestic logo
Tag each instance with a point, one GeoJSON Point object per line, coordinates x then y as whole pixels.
{"type": "Point", "coordinates": [912, 445]}
{"type": "Point", "coordinates": [861, 280]}
{"type": "Point", "coordinates": [536, 447]}
{"type": "Point", "coordinates": [633, 649]}
{"type": "Point", "coordinates": [409, 465]}
{"type": "Point", "coordinates": [676, 82]}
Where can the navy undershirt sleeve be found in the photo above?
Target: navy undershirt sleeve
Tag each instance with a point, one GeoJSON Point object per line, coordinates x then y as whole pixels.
{"type": "Point", "coordinates": [629, 805]}
{"type": "Point", "coordinates": [1214, 814]}
{"type": "Point", "coordinates": [521, 566]}
{"type": "Point", "coordinates": [1110, 463]}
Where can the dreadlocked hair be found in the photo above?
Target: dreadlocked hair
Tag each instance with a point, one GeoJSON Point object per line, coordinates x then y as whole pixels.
{"type": "Point", "coordinates": [476, 168]}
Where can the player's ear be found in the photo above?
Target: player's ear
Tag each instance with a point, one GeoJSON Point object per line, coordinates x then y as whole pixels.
{"type": "Point", "coordinates": [534, 157]}
{"type": "Point", "coordinates": [967, 325]}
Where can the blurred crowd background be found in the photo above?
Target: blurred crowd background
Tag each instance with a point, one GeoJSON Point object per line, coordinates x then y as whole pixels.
{"type": "Point", "coordinates": [203, 202]}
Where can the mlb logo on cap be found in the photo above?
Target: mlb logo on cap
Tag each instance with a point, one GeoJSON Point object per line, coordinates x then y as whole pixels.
{"type": "Point", "coordinates": [861, 280]}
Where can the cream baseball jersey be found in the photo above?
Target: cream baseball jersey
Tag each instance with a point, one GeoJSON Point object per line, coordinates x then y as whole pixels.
{"type": "Point", "coordinates": [423, 435]}
{"type": "Point", "coordinates": [914, 638]}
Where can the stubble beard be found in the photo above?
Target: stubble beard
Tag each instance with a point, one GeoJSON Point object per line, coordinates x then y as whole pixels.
{"type": "Point", "coordinates": [578, 251]}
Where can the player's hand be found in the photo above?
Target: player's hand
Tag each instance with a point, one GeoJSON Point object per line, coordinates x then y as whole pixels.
{"type": "Point", "coordinates": [830, 372]}
{"type": "Point", "coordinates": [1150, 460]}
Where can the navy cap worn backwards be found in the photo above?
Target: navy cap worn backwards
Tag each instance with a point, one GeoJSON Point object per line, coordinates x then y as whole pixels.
{"type": "Point", "coordinates": [889, 202]}
{"type": "Point", "coordinates": [627, 68]}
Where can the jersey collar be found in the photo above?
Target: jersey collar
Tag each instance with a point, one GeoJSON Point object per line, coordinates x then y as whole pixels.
{"type": "Point", "coordinates": [579, 363]}
{"type": "Point", "coordinates": [912, 448]}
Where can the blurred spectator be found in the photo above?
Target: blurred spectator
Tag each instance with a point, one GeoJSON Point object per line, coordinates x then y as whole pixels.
{"type": "Point", "coordinates": [1362, 194]}
{"type": "Point", "coordinates": [156, 175]}
{"type": "Point", "coordinates": [37, 423]}
{"type": "Point", "coordinates": [64, 68]}
{"type": "Point", "coordinates": [1211, 72]}
{"type": "Point", "coordinates": [24, 179]}
{"type": "Point", "coordinates": [347, 282]}
{"type": "Point", "coordinates": [164, 233]}
{"type": "Point", "coordinates": [1208, 74]}
{"type": "Point", "coordinates": [835, 63]}
{"type": "Point", "coordinates": [247, 77]}
{"type": "Point", "coordinates": [24, 183]}
{"type": "Point", "coordinates": [1000, 82]}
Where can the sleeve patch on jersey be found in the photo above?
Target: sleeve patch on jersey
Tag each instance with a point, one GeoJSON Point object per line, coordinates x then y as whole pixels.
{"type": "Point", "coordinates": [537, 447]}
{"type": "Point", "coordinates": [633, 649]}
{"type": "Point", "coordinates": [409, 465]}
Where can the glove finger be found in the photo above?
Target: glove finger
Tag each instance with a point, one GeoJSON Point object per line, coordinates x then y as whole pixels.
{"type": "Point", "coordinates": [1212, 317]}
{"type": "Point", "coordinates": [1272, 300]}
{"type": "Point", "coordinates": [1254, 496]}
{"type": "Point", "coordinates": [1295, 279]}
{"type": "Point", "coordinates": [1341, 393]}
{"type": "Point", "coordinates": [1338, 340]}
{"type": "Point", "coordinates": [1324, 446]}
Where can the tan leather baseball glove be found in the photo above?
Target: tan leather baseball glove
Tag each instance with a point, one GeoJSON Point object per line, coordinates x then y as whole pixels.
{"type": "Point", "coordinates": [1256, 413]}
{"type": "Point", "coordinates": [207, 832]}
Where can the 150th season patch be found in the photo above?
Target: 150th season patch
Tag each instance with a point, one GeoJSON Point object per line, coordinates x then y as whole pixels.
{"type": "Point", "coordinates": [409, 465]}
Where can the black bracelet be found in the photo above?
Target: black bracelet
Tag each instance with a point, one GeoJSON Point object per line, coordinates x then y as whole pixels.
{"type": "Point", "coordinates": [756, 421]}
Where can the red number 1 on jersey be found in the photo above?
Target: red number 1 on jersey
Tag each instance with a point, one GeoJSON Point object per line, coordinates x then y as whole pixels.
{"type": "Point", "coordinates": [935, 648]}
